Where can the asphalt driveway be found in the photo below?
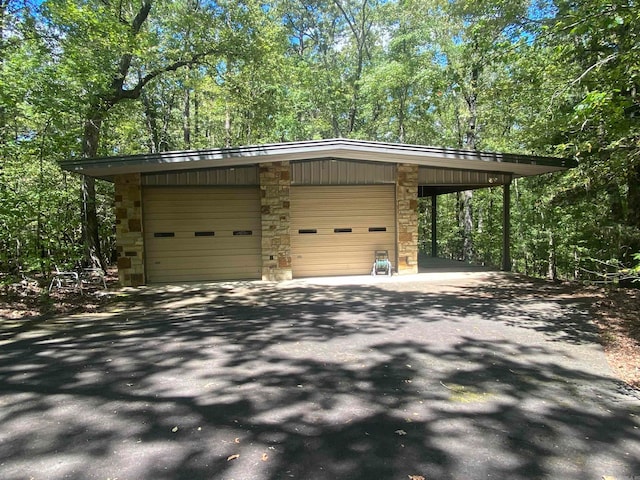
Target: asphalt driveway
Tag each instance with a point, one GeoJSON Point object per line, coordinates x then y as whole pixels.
{"type": "Point", "coordinates": [483, 375]}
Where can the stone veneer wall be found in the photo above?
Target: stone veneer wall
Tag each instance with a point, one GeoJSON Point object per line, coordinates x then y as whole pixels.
{"type": "Point", "coordinates": [275, 184]}
{"type": "Point", "coordinates": [129, 234]}
{"type": "Point", "coordinates": [407, 218]}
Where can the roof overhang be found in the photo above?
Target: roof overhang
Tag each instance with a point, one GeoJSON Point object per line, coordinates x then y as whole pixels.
{"type": "Point", "coordinates": [339, 149]}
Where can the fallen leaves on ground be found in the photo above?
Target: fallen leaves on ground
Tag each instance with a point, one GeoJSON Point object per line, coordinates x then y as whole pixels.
{"type": "Point", "coordinates": [233, 457]}
{"type": "Point", "coordinates": [616, 315]}
{"type": "Point", "coordinates": [29, 299]}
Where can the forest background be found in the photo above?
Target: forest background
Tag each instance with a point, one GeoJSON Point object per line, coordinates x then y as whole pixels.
{"type": "Point", "coordinates": [108, 77]}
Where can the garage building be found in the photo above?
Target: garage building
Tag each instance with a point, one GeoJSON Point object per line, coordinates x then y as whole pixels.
{"type": "Point", "coordinates": [289, 210]}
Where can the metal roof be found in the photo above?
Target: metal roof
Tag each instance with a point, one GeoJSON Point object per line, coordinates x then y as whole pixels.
{"type": "Point", "coordinates": [338, 149]}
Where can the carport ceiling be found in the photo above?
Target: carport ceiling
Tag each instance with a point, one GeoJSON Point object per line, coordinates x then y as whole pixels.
{"type": "Point", "coordinates": [431, 190]}
{"type": "Point", "coordinates": [339, 149]}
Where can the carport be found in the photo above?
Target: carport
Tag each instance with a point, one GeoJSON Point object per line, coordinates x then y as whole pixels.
{"type": "Point", "coordinates": [436, 182]}
{"type": "Point", "coordinates": [289, 210]}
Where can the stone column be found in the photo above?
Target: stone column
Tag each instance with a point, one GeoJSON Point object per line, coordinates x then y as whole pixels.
{"type": "Point", "coordinates": [407, 218]}
{"type": "Point", "coordinates": [129, 234]}
{"type": "Point", "coordinates": [275, 184]}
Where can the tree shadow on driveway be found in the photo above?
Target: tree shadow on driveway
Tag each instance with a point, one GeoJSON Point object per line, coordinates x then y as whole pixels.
{"type": "Point", "coordinates": [501, 380]}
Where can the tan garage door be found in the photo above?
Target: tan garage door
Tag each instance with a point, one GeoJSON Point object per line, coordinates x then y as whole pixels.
{"type": "Point", "coordinates": [202, 233]}
{"type": "Point", "coordinates": [336, 230]}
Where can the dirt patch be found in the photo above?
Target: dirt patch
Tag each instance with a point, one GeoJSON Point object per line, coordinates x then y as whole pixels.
{"type": "Point", "coordinates": [617, 316]}
{"type": "Point", "coordinates": [29, 299]}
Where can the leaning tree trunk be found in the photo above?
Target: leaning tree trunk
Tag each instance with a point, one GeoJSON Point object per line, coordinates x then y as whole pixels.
{"type": "Point", "coordinates": [90, 226]}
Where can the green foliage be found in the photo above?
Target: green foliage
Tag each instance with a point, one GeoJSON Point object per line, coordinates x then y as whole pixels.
{"type": "Point", "coordinates": [39, 220]}
{"type": "Point", "coordinates": [509, 75]}
{"type": "Point", "coordinates": [595, 61]}
{"type": "Point", "coordinates": [635, 270]}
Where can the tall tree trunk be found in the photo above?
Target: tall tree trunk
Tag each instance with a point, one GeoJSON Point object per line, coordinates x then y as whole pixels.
{"type": "Point", "coordinates": [90, 227]}
{"type": "Point", "coordinates": [470, 143]}
{"type": "Point", "coordinates": [360, 24]}
{"type": "Point", "coordinates": [3, 114]}
{"type": "Point", "coordinates": [465, 221]}
{"type": "Point", "coordinates": [633, 196]}
{"type": "Point", "coordinates": [196, 115]}
{"type": "Point", "coordinates": [335, 125]}
{"type": "Point", "coordinates": [151, 118]}
{"type": "Point", "coordinates": [186, 110]}
{"type": "Point", "coordinates": [470, 140]}
{"type": "Point", "coordinates": [40, 250]}
{"type": "Point", "coordinates": [353, 110]}
{"type": "Point", "coordinates": [186, 119]}
{"type": "Point", "coordinates": [615, 202]}
{"type": "Point", "coordinates": [552, 270]}
{"type": "Point", "coordinates": [227, 125]}
{"type": "Point", "coordinates": [401, 115]}
{"type": "Point", "coordinates": [165, 144]}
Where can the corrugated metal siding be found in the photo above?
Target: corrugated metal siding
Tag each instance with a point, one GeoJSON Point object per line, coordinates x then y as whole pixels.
{"type": "Point", "coordinates": [341, 172]}
{"type": "Point", "coordinates": [209, 176]}
{"type": "Point", "coordinates": [444, 176]}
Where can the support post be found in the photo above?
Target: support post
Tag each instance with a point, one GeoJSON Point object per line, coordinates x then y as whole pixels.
{"type": "Point", "coordinates": [434, 225]}
{"type": "Point", "coordinates": [129, 229]}
{"type": "Point", "coordinates": [275, 203]}
{"type": "Point", "coordinates": [407, 218]}
{"type": "Point", "coordinates": [506, 226]}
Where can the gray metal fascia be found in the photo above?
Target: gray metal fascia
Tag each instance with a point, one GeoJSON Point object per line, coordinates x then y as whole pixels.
{"type": "Point", "coordinates": [522, 165]}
